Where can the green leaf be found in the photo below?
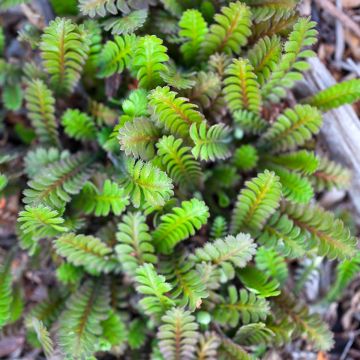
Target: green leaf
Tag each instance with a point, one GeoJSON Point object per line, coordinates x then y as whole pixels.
{"type": "Point", "coordinates": [146, 184]}
{"type": "Point", "coordinates": [241, 306]}
{"type": "Point", "coordinates": [188, 288]}
{"type": "Point", "coordinates": [134, 246]}
{"type": "Point", "coordinates": [41, 111]}
{"type": "Point", "coordinates": [178, 334]}
{"type": "Point", "coordinates": [148, 61]}
{"type": "Point", "coordinates": [336, 95]}
{"type": "Point", "coordinates": [6, 293]}
{"type": "Point", "coordinates": [154, 287]}
{"type": "Point", "coordinates": [78, 125]}
{"type": "Point", "coordinates": [256, 202]}
{"type": "Point", "coordinates": [228, 253]}
{"type": "Point", "coordinates": [127, 24]}
{"type": "Point", "coordinates": [54, 184]}
{"type": "Point", "coordinates": [230, 31]}
{"type": "Point", "coordinates": [241, 87]}
{"type": "Point", "coordinates": [116, 55]}
{"type": "Point", "coordinates": [210, 143]}
{"type": "Point", "coordinates": [12, 97]}
{"type": "Point", "coordinates": [112, 198]}
{"type": "Point", "coordinates": [325, 232]}
{"type": "Point", "coordinates": [179, 162]}
{"type": "Point", "coordinates": [257, 282]}
{"type": "Point", "coordinates": [41, 222]}
{"type": "Point", "coordinates": [138, 137]}
{"type": "Point", "coordinates": [80, 324]}
{"type": "Point", "coordinates": [87, 251]}
{"type": "Point", "coordinates": [293, 128]}
{"type": "Point", "coordinates": [193, 28]}
{"type": "Point", "coordinates": [64, 50]}
{"type": "Point", "coordinates": [180, 224]}
{"type": "Point", "coordinates": [176, 114]}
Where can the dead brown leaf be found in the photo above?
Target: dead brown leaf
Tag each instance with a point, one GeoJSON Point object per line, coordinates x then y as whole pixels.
{"type": "Point", "coordinates": [322, 356]}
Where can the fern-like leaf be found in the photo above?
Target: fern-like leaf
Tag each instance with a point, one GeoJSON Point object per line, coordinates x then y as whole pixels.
{"type": "Point", "coordinates": [241, 306]}
{"type": "Point", "coordinates": [41, 111]}
{"type": "Point", "coordinates": [54, 184]}
{"type": "Point", "coordinates": [85, 310]}
{"type": "Point", "coordinates": [112, 198]}
{"type": "Point", "coordinates": [87, 251]}
{"type": "Point", "coordinates": [327, 233]}
{"type": "Point", "coordinates": [263, 10]}
{"type": "Point", "coordinates": [138, 138]}
{"type": "Point", "coordinates": [103, 7]}
{"type": "Point", "coordinates": [219, 228]}
{"type": "Point", "coordinates": [210, 143]}
{"type": "Point", "coordinates": [264, 57]}
{"type": "Point", "coordinates": [134, 243]}
{"type": "Point", "coordinates": [329, 175]}
{"type": "Point", "coordinates": [302, 161]}
{"type": "Point", "coordinates": [146, 184]}
{"type": "Point", "coordinates": [179, 162]}
{"type": "Point", "coordinates": [149, 59]}
{"type": "Point", "coordinates": [41, 222]}
{"type": "Point", "coordinates": [180, 224]}
{"type": "Point", "coordinates": [292, 62]}
{"type": "Point", "coordinates": [337, 95]}
{"type": "Point", "coordinates": [293, 128]}
{"type": "Point", "coordinates": [259, 283]}
{"type": "Point", "coordinates": [193, 28]}
{"type": "Point", "coordinates": [245, 157]}
{"type": "Point", "coordinates": [116, 55]}
{"type": "Point", "coordinates": [102, 113]}
{"type": "Point", "coordinates": [231, 351]}
{"type": "Point", "coordinates": [345, 273]}
{"type": "Point", "coordinates": [295, 187]}
{"type": "Point", "coordinates": [206, 90]}
{"type": "Point", "coordinates": [176, 114]}
{"type": "Point", "coordinates": [241, 87]}
{"type": "Point", "coordinates": [273, 264]}
{"type": "Point", "coordinates": [228, 253]}
{"type": "Point", "coordinates": [208, 346]}
{"type": "Point", "coordinates": [154, 287]}
{"type": "Point", "coordinates": [230, 31]}
{"type": "Point", "coordinates": [249, 122]}
{"type": "Point", "coordinates": [6, 293]}
{"type": "Point", "coordinates": [114, 329]}
{"type": "Point", "coordinates": [64, 50]}
{"type": "Point", "coordinates": [78, 125]}
{"type": "Point", "coordinates": [306, 324]}
{"type": "Point", "coordinates": [256, 203]}
{"type": "Point", "coordinates": [43, 336]}
{"type": "Point", "coordinates": [39, 158]}
{"type": "Point", "coordinates": [178, 335]}
{"type": "Point", "coordinates": [281, 234]}
{"type": "Point", "coordinates": [188, 287]}
{"type": "Point", "coordinates": [127, 24]}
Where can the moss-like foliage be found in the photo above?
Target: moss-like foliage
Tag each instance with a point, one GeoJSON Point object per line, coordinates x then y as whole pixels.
{"type": "Point", "coordinates": [168, 181]}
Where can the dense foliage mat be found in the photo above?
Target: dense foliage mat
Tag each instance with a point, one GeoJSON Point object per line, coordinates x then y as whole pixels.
{"type": "Point", "coordinates": [168, 179]}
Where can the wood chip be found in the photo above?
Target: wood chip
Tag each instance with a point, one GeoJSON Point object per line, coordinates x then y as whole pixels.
{"type": "Point", "coordinates": [351, 3]}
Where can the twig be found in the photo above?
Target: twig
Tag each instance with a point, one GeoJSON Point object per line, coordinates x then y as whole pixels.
{"type": "Point", "coordinates": [341, 16]}
{"type": "Point", "coordinates": [35, 19]}
{"type": "Point", "coordinates": [340, 43]}
{"type": "Point", "coordinates": [46, 10]}
{"type": "Point", "coordinates": [347, 347]}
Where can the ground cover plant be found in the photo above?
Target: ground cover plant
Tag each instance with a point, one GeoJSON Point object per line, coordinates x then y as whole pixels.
{"type": "Point", "coordinates": [169, 180]}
